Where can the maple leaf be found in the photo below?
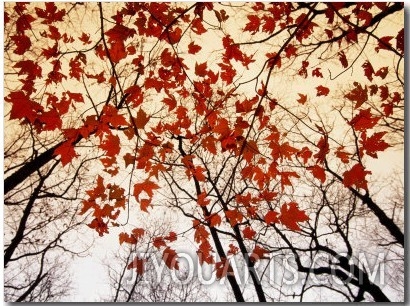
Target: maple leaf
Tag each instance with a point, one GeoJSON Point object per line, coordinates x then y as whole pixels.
{"type": "Point", "coordinates": [144, 204]}
{"type": "Point", "coordinates": [368, 70]}
{"type": "Point", "coordinates": [138, 232]}
{"type": "Point", "coordinates": [356, 176]}
{"type": "Point", "coordinates": [124, 237]}
{"type": "Point", "coordinates": [318, 172]}
{"type": "Point", "coordinates": [202, 201]}
{"type": "Point", "coordinates": [29, 68]}
{"type": "Point", "coordinates": [142, 119]}
{"type": "Point", "coordinates": [223, 268]}
{"type": "Point", "coordinates": [343, 59]}
{"type": "Point", "coordinates": [138, 264]}
{"type": "Point", "coordinates": [214, 220]}
{"type": "Point", "coordinates": [23, 106]}
{"type": "Point", "coordinates": [24, 23]}
{"type": "Point", "coordinates": [364, 120]}
{"type": "Point", "coordinates": [209, 143]}
{"type": "Point", "coordinates": [193, 49]}
{"type": "Point", "coordinates": [204, 253]}
{"type": "Point", "coordinates": [302, 98]}
{"type": "Point", "coordinates": [111, 145]}
{"type": "Point", "coordinates": [290, 215]}
{"type": "Point", "coordinates": [158, 242]}
{"type": "Point", "coordinates": [365, 16]}
{"type": "Point", "coordinates": [201, 234]}
{"type": "Point", "coordinates": [305, 154]}
{"type": "Point", "coordinates": [248, 232]}
{"type": "Point", "coordinates": [382, 72]}
{"type": "Point", "coordinates": [66, 151]}
{"type": "Point", "coordinates": [119, 33]}
{"type": "Point", "coordinates": [147, 186]}
{"type": "Point", "coordinates": [323, 146]}
{"type": "Point", "coordinates": [50, 120]}
{"type": "Point", "coordinates": [99, 225]}
{"type": "Point", "coordinates": [197, 26]}
{"type": "Point", "coordinates": [117, 51]}
{"type": "Point", "coordinates": [269, 24]}
{"type": "Point", "coordinates": [258, 253]}
{"type": "Point", "coordinates": [170, 257]}
{"type": "Point", "coordinates": [129, 159]}
{"type": "Point", "coordinates": [384, 43]}
{"type": "Point", "coordinates": [358, 94]}
{"type": "Point", "coordinates": [50, 14]}
{"type": "Point", "coordinates": [234, 216]}
{"type": "Point", "coordinates": [317, 73]}
{"type": "Point", "coordinates": [200, 69]}
{"type": "Point", "coordinates": [400, 41]}
{"type": "Point", "coordinates": [253, 24]}
{"type": "Point", "coordinates": [322, 91]}
{"type": "Point", "coordinates": [22, 42]}
{"type": "Point", "coordinates": [373, 144]}
{"type": "Point", "coordinates": [344, 156]}
{"type": "Point", "coordinates": [172, 236]}
{"type": "Point", "coordinates": [85, 38]}
{"type": "Point", "coordinates": [271, 217]}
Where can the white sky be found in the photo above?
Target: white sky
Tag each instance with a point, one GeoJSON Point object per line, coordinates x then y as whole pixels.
{"type": "Point", "coordinates": [90, 276]}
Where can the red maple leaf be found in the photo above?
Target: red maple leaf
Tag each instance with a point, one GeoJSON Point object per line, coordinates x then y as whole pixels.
{"type": "Point", "coordinates": [271, 217]}
{"type": "Point", "coordinates": [23, 106]}
{"type": "Point", "coordinates": [200, 69]}
{"type": "Point", "coordinates": [85, 38]}
{"type": "Point", "coordinates": [147, 186]}
{"type": "Point", "coordinates": [258, 253]}
{"type": "Point", "coordinates": [357, 94]}
{"type": "Point", "coordinates": [323, 146]}
{"type": "Point", "coordinates": [384, 43]}
{"type": "Point", "coordinates": [302, 98]}
{"type": "Point", "coordinates": [158, 242]}
{"type": "Point", "coordinates": [223, 268]}
{"type": "Point", "coordinates": [373, 144]}
{"type": "Point", "coordinates": [99, 225]}
{"type": "Point", "coordinates": [318, 172]}
{"type": "Point", "coordinates": [290, 215]}
{"type": "Point", "coordinates": [170, 257]}
{"type": "Point", "coordinates": [24, 23]}
{"type": "Point", "coordinates": [400, 41]}
{"type": "Point", "coordinates": [124, 237]}
{"type": "Point", "coordinates": [193, 49]}
{"type": "Point", "coordinates": [317, 73]}
{"type": "Point", "coordinates": [322, 91]}
{"type": "Point", "coordinates": [111, 145]}
{"type": "Point", "coordinates": [22, 42]}
{"type": "Point", "coordinates": [29, 68]}
{"type": "Point", "coordinates": [197, 26]}
{"type": "Point", "coordinates": [119, 33]}
{"type": "Point", "coordinates": [364, 120]}
{"type": "Point", "coordinates": [66, 151]}
{"type": "Point", "coordinates": [248, 232]}
{"type": "Point", "coordinates": [138, 264]}
{"type": "Point", "coordinates": [214, 220]}
{"type": "Point", "coordinates": [343, 59]}
{"type": "Point", "coordinates": [253, 24]}
{"type": "Point", "coordinates": [344, 156]}
{"type": "Point", "coordinates": [234, 216]}
{"type": "Point", "coordinates": [50, 14]}
{"type": "Point", "coordinates": [142, 119]}
{"type": "Point", "coordinates": [75, 69]}
{"type": "Point", "coordinates": [368, 70]}
{"type": "Point", "coordinates": [356, 176]}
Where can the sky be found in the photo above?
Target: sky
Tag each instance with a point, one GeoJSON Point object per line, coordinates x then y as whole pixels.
{"type": "Point", "coordinates": [89, 275]}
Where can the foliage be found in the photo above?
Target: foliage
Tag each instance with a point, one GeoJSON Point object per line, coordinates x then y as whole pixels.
{"type": "Point", "coordinates": [224, 114]}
